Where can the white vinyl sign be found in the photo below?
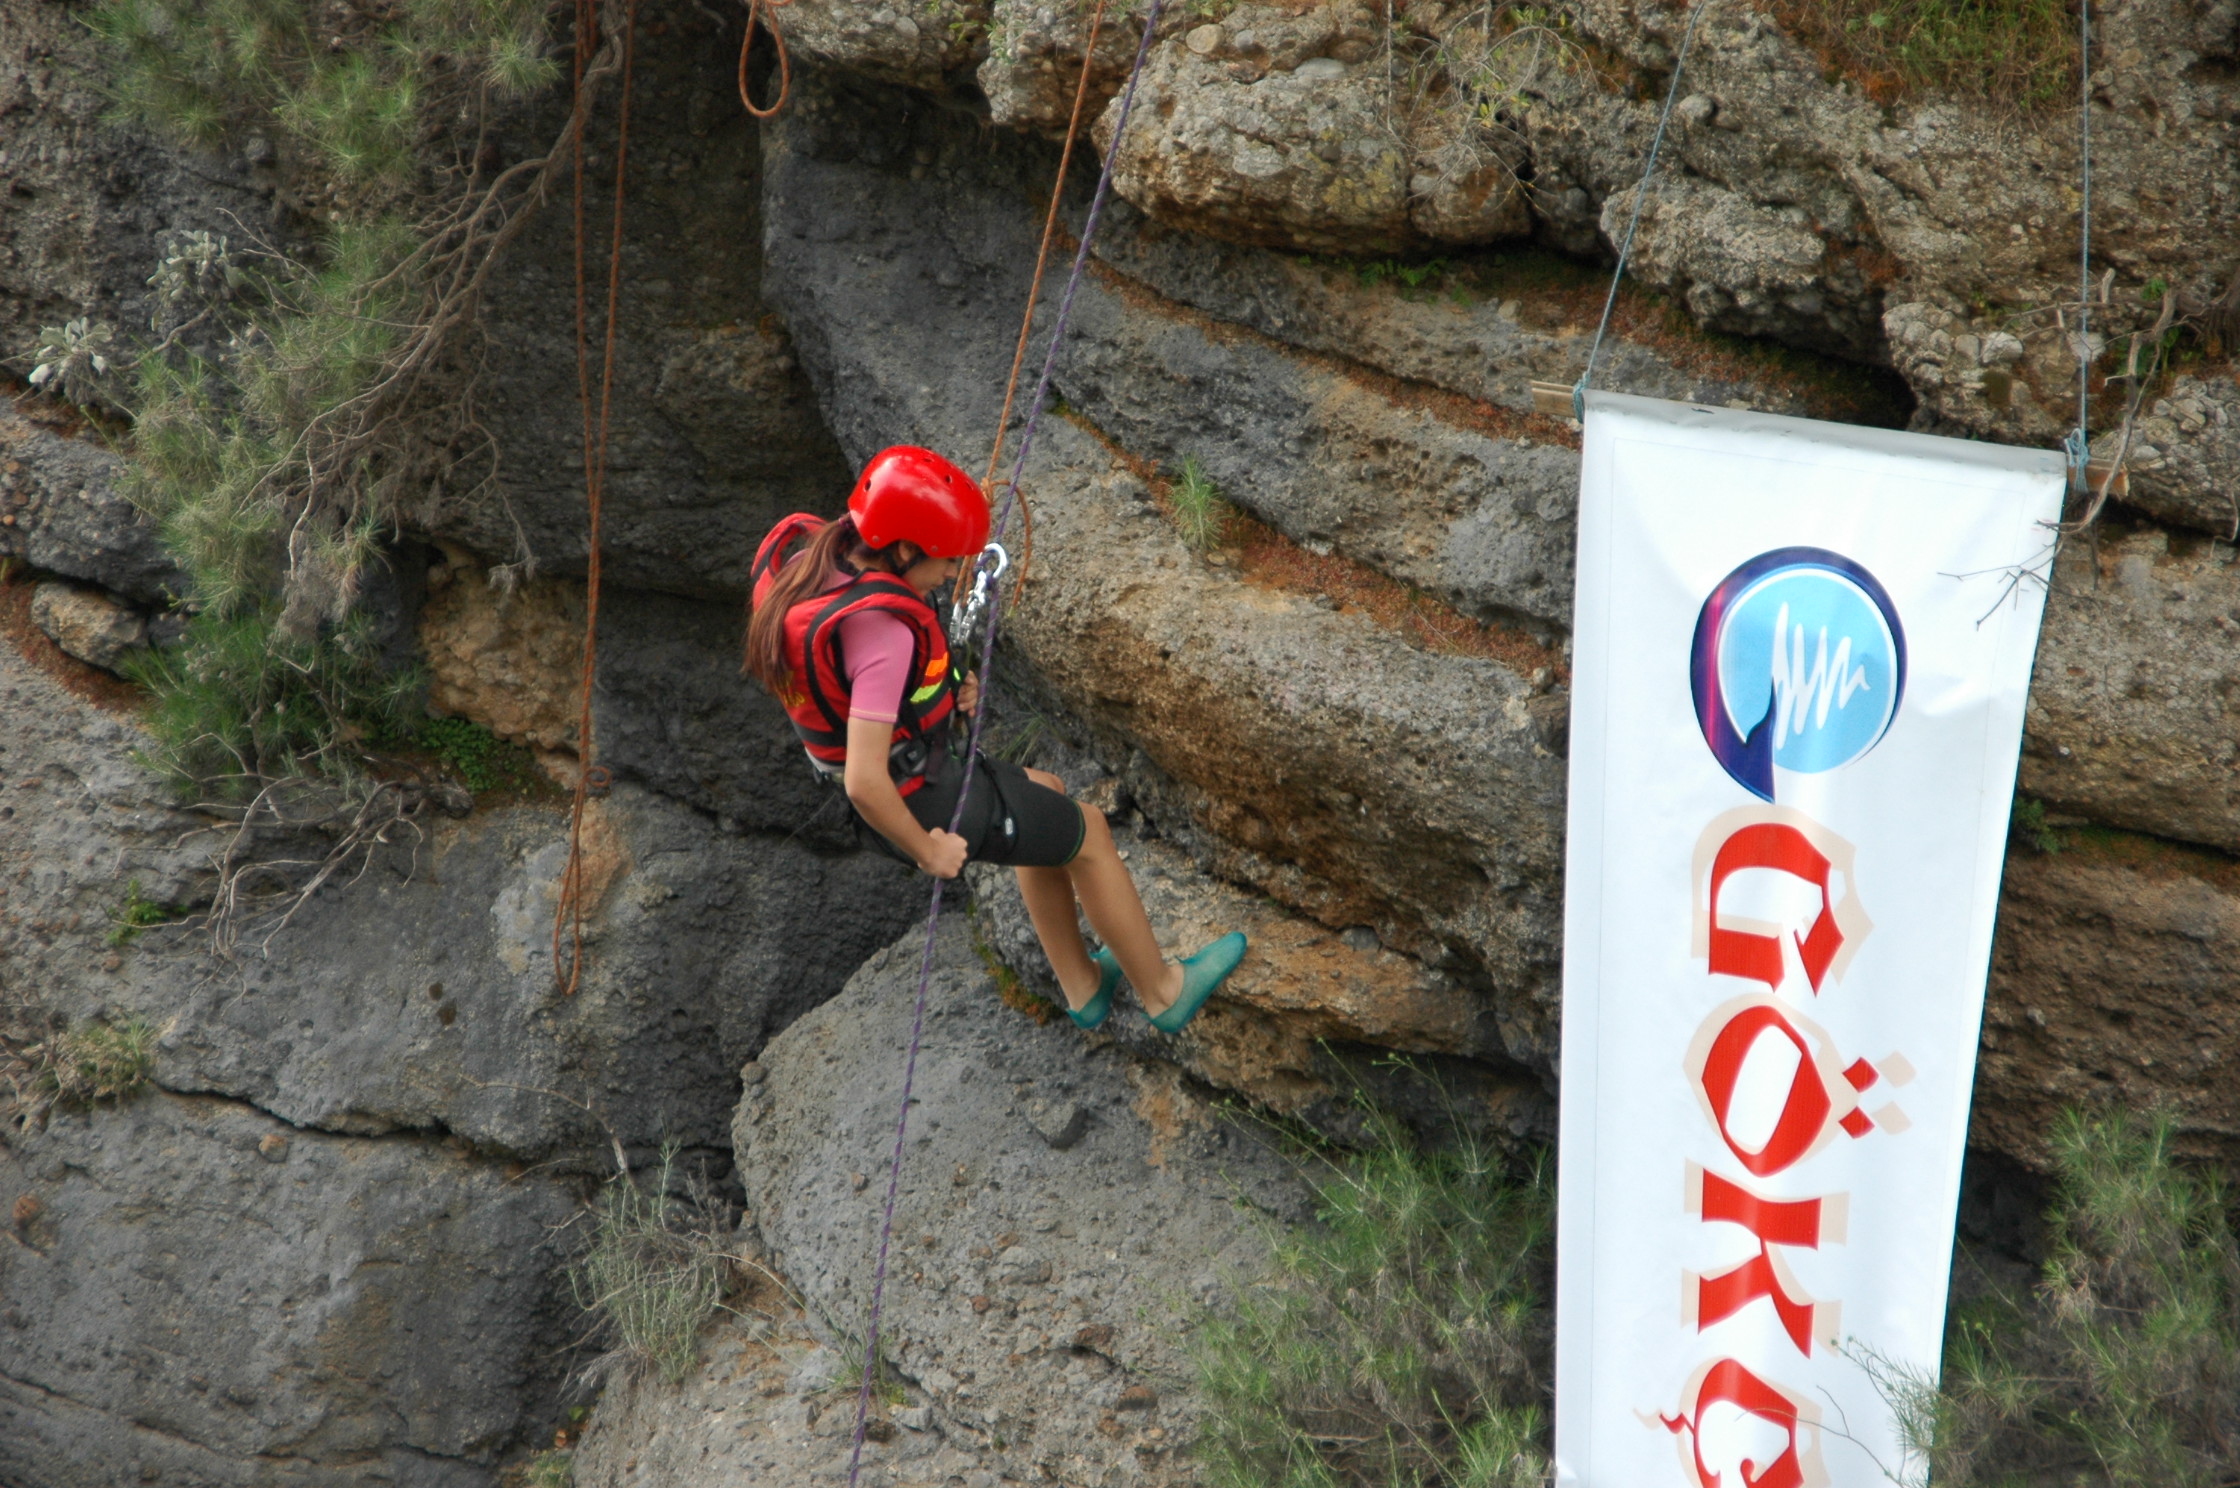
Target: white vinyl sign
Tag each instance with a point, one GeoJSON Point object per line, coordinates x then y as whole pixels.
{"type": "Point", "coordinates": [1800, 659]}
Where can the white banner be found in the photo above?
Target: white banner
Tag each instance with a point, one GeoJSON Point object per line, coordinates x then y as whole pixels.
{"type": "Point", "coordinates": [1800, 659]}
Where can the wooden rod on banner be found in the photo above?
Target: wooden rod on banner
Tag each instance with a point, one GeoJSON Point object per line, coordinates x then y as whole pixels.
{"type": "Point", "coordinates": [1554, 399]}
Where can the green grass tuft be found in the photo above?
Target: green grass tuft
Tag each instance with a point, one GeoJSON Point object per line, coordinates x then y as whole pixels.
{"type": "Point", "coordinates": [654, 1273]}
{"type": "Point", "coordinates": [886, 1387]}
{"type": "Point", "coordinates": [97, 1062]}
{"type": "Point", "coordinates": [2124, 1369]}
{"type": "Point", "coordinates": [1200, 513]}
{"type": "Point", "coordinates": [1399, 1343]}
{"type": "Point", "coordinates": [2029, 827]}
{"type": "Point", "coordinates": [553, 1469]}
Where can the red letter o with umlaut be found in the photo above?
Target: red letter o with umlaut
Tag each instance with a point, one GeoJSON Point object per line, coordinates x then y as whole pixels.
{"type": "Point", "coordinates": [1805, 1109]}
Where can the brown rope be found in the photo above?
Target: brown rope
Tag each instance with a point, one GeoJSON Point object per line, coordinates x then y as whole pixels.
{"type": "Point", "coordinates": [570, 905]}
{"type": "Point", "coordinates": [764, 13]}
{"type": "Point", "coordinates": [1026, 322]}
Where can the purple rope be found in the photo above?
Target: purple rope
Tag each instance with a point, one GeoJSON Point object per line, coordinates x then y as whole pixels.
{"type": "Point", "coordinates": [979, 719]}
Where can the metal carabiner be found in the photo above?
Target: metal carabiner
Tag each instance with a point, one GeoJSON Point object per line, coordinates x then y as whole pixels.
{"type": "Point", "coordinates": [966, 622]}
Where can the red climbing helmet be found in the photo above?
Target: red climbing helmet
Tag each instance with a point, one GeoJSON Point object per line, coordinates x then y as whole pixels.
{"type": "Point", "coordinates": [913, 495]}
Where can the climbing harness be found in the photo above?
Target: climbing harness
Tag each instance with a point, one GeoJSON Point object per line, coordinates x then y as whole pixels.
{"type": "Point", "coordinates": [1640, 195]}
{"type": "Point", "coordinates": [569, 909]}
{"type": "Point", "coordinates": [1035, 405]}
{"type": "Point", "coordinates": [765, 14]}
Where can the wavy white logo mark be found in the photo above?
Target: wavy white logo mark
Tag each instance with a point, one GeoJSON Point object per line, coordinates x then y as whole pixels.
{"type": "Point", "coordinates": [1799, 695]}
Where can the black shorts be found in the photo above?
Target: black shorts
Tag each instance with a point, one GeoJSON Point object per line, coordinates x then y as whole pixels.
{"type": "Point", "coordinates": [1008, 819]}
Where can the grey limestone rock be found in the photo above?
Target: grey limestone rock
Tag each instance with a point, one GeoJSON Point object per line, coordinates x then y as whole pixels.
{"type": "Point", "coordinates": [674, 714]}
{"type": "Point", "coordinates": [188, 1304]}
{"type": "Point", "coordinates": [1251, 145]}
{"type": "Point", "coordinates": [2135, 703]}
{"type": "Point", "coordinates": [916, 43]}
{"type": "Point", "coordinates": [61, 510]}
{"type": "Point", "coordinates": [1746, 269]}
{"type": "Point", "coordinates": [714, 434]}
{"type": "Point", "coordinates": [1457, 505]}
{"type": "Point", "coordinates": [1488, 347]}
{"type": "Point", "coordinates": [1033, 64]}
{"type": "Point", "coordinates": [422, 996]}
{"type": "Point", "coordinates": [1008, 1249]}
{"type": "Point", "coordinates": [86, 623]}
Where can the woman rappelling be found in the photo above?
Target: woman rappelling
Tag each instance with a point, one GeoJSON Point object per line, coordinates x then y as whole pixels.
{"type": "Point", "coordinates": [843, 634]}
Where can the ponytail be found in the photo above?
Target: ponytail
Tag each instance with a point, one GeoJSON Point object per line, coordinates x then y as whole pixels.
{"type": "Point", "coordinates": [795, 578]}
{"type": "Point", "coordinates": [800, 577]}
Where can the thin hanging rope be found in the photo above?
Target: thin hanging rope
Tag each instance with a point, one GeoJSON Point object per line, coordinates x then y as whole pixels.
{"type": "Point", "coordinates": [568, 911]}
{"type": "Point", "coordinates": [1034, 287]}
{"type": "Point", "coordinates": [765, 14]}
{"type": "Point", "coordinates": [979, 720]}
{"type": "Point", "coordinates": [2079, 443]}
{"type": "Point", "coordinates": [1640, 196]}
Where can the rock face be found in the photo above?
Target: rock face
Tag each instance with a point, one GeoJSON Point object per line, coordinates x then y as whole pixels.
{"type": "Point", "coordinates": [403, 1045]}
{"type": "Point", "coordinates": [1063, 1213]}
{"type": "Point", "coordinates": [61, 511]}
{"type": "Point", "coordinates": [1300, 1024]}
{"type": "Point", "coordinates": [322, 1249]}
{"type": "Point", "coordinates": [511, 659]}
{"type": "Point", "coordinates": [1265, 137]}
{"type": "Point", "coordinates": [2135, 705]}
{"type": "Point", "coordinates": [376, 1310]}
{"type": "Point", "coordinates": [2112, 981]}
{"type": "Point", "coordinates": [1317, 756]}
{"type": "Point", "coordinates": [715, 435]}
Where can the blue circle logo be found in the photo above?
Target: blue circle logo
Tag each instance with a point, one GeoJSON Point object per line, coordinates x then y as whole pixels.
{"type": "Point", "coordinates": [1799, 662]}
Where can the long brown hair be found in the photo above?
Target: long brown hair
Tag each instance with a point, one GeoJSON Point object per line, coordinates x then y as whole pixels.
{"type": "Point", "coordinates": [800, 575]}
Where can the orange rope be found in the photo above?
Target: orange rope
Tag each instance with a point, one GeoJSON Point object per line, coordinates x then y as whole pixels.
{"type": "Point", "coordinates": [1026, 323]}
{"type": "Point", "coordinates": [570, 905]}
{"type": "Point", "coordinates": [764, 12]}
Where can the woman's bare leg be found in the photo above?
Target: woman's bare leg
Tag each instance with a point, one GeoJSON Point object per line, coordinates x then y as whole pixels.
{"type": "Point", "coordinates": [1049, 896]}
{"type": "Point", "coordinates": [1107, 894]}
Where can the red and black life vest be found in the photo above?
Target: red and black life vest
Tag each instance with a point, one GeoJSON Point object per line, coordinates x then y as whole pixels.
{"type": "Point", "coordinates": [816, 694]}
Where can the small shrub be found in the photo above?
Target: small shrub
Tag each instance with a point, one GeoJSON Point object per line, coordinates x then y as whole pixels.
{"type": "Point", "coordinates": [351, 90]}
{"type": "Point", "coordinates": [1199, 512]}
{"type": "Point", "coordinates": [97, 1062]}
{"type": "Point", "coordinates": [241, 701]}
{"type": "Point", "coordinates": [136, 914]}
{"type": "Point", "coordinates": [654, 1272]}
{"type": "Point", "coordinates": [1400, 1342]}
{"type": "Point", "coordinates": [886, 1388]}
{"type": "Point", "coordinates": [272, 444]}
{"type": "Point", "coordinates": [2124, 1369]}
{"type": "Point", "coordinates": [481, 760]}
{"type": "Point", "coordinates": [72, 359]}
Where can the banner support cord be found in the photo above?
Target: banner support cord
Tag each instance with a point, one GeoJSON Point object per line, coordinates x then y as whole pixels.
{"type": "Point", "coordinates": [1640, 195]}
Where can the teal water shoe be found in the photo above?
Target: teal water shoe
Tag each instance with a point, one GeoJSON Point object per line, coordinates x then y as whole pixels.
{"type": "Point", "coordinates": [1092, 1013]}
{"type": "Point", "coordinates": [1201, 974]}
